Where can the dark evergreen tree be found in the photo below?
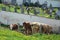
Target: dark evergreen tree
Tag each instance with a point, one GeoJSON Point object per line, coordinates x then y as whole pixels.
{"type": "Point", "coordinates": [0, 1]}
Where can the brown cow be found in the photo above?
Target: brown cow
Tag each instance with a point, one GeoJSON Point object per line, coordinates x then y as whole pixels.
{"type": "Point", "coordinates": [27, 28]}
{"type": "Point", "coordinates": [14, 27]}
{"type": "Point", "coordinates": [35, 27]}
{"type": "Point", "coordinates": [45, 28]}
{"type": "Point", "coordinates": [41, 27]}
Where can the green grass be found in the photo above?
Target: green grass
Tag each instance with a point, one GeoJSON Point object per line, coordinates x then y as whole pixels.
{"type": "Point", "coordinates": [6, 34]}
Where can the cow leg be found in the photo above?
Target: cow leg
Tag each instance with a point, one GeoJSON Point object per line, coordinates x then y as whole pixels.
{"type": "Point", "coordinates": [25, 32]}
{"type": "Point", "coordinates": [33, 30]}
{"type": "Point", "coordinates": [29, 32]}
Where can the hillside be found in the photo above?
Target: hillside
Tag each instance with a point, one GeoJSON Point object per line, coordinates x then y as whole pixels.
{"type": "Point", "coordinates": [6, 34]}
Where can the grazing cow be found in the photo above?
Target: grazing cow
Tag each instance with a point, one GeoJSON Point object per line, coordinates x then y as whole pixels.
{"type": "Point", "coordinates": [46, 28]}
{"type": "Point", "coordinates": [27, 28]}
{"type": "Point", "coordinates": [14, 27]}
{"type": "Point", "coordinates": [35, 27]}
{"type": "Point", "coordinates": [41, 27]}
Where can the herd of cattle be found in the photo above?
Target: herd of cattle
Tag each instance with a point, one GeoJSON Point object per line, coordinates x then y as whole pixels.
{"type": "Point", "coordinates": [32, 28]}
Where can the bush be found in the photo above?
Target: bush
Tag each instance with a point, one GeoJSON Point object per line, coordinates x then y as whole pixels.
{"type": "Point", "coordinates": [0, 1]}
{"type": "Point", "coordinates": [36, 4]}
{"type": "Point", "coordinates": [31, 4]}
{"type": "Point", "coordinates": [26, 4]}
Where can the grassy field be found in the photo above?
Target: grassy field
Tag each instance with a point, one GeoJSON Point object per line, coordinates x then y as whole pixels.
{"type": "Point", "coordinates": [6, 34]}
{"type": "Point", "coordinates": [25, 11]}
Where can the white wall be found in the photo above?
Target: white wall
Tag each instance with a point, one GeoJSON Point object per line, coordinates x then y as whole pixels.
{"type": "Point", "coordinates": [9, 1]}
{"type": "Point", "coordinates": [19, 2]}
{"type": "Point", "coordinates": [33, 1]}
{"type": "Point", "coordinates": [54, 3]}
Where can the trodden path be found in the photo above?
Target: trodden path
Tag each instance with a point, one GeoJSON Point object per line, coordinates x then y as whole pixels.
{"type": "Point", "coordinates": [15, 17]}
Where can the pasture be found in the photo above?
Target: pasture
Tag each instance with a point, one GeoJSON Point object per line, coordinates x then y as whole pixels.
{"type": "Point", "coordinates": [6, 34]}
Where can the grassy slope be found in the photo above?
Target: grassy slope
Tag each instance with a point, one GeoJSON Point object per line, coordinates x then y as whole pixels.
{"type": "Point", "coordinates": [6, 34]}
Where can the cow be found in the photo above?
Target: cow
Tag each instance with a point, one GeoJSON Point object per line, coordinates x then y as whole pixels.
{"type": "Point", "coordinates": [14, 27]}
{"type": "Point", "coordinates": [45, 28]}
{"type": "Point", "coordinates": [41, 28]}
{"type": "Point", "coordinates": [27, 28]}
{"type": "Point", "coordinates": [35, 27]}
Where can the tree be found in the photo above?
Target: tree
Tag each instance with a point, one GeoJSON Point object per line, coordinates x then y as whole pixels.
{"type": "Point", "coordinates": [0, 1]}
{"type": "Point", "coordinates": [26, 4]}
{"type": "Point", "coordinates": [36, 4]}
{"type": "Point", "coordinates": [31, 4]}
